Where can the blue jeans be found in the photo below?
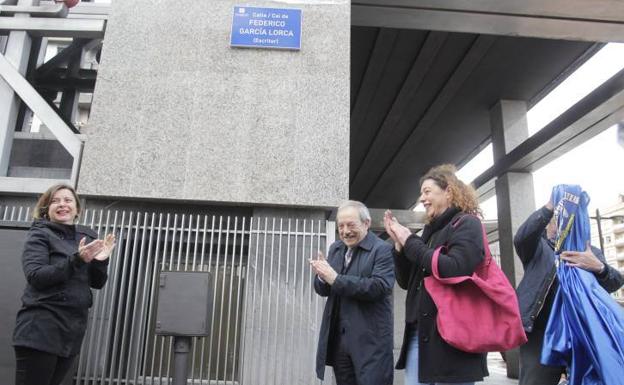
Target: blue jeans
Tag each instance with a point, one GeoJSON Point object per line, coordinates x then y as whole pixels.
{"type": "Point", "coordinates": [411, 366]}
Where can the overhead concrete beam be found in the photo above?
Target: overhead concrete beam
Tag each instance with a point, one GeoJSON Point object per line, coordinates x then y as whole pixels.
{"type": "Point", "coordinates": [29, 185]}
{"type": "Point", "coordinates": [50, 10]}
{"type": "Point", "coordinates": [601, 109]}
{"type": "Point", "coordinates": [413, 220]}
{"type": "Point", "coordinates": [599, 10]}
{"type": "Point", "coordinates": [52, 27]}
{"type": "Point", "coordinates": [416, 220]}
{"type": "Point", "coordinates": [486, 190]}
{"type": "Point", "coordinates": [583, 21]}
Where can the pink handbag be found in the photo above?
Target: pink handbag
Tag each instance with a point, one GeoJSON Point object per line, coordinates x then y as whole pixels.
{"type": "Point", "coordinates": [477, 313]}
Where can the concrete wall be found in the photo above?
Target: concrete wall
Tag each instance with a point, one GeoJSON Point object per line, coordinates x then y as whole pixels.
{"type": "Point", "coordinates": [178, 114]}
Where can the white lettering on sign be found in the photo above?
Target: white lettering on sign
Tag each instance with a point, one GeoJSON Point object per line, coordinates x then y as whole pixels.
{"type": "Point", "coordinates": [253, 31]}
{"type": "Point", "coordinates": [267, 23]}
{"type": "Point", "coordinates": [280, 32]}
{"type": "Point", "coordinates": [266, 32]}
{"type": "Point", "coordinates": [258, 40]}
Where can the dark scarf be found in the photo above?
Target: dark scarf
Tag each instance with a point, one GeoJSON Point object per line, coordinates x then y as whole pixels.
{"type": "Point", "coordinates": [439, 222]}
{"type": "Point", "coordinates": [68, 231]}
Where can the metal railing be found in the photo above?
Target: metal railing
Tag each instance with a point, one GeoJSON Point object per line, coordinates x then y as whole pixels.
{"type": "Point", "coordinates": [265, 318]}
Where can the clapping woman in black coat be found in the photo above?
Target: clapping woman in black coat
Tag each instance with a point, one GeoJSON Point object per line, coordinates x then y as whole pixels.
{"type": "Point", "coordinates": [452, 219]}
{"type": "Point", "coordinates": [61, 261]}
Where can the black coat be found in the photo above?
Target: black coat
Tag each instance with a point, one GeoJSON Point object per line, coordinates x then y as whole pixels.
{"type": "Point", "coordinates": [540, 274]}
{"type": "Point", "coordinates": [364, 296]}
{"type": "Point", "coordinates": [57, 298]}
{"type": "Point", "coordinates": [439, 361]}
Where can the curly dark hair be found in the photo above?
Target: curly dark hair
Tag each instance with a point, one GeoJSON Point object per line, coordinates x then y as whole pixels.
{"type": "Point", "coordinates": [463, 196]}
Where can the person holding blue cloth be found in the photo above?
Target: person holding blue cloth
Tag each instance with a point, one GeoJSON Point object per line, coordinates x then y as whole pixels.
{"type": "Point", "coordinates": [535, 245]}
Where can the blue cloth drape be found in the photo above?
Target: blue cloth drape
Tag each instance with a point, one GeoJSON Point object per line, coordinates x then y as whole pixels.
{"type": "Point", "coordinates": [585, 331]}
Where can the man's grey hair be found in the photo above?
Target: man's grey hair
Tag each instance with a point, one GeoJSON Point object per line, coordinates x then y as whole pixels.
{"type": "Point", "coordinates": [363, 210]}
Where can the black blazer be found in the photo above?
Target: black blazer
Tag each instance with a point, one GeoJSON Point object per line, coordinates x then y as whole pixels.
{"type": "Point", "coordinates": [462, 234]}
{"type": "Point", "coordinates": [363, 295]}
{"type": "Point", "coordinates": [57, 297]}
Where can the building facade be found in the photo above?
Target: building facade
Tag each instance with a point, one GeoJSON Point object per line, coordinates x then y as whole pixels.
{"type": "Point", "coordinates": [203, 156]}
{"type": "Point", "coordinates": [612, 223]}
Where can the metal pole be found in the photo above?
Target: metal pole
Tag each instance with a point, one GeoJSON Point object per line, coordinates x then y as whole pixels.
{"type": "Point", "coordinates": [598, 219]}
{"type": "Point", "coordinates": [182, 347]}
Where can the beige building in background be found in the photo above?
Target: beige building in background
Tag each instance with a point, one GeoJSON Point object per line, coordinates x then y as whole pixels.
{"type": "Point", "coordinates": [612, 223]}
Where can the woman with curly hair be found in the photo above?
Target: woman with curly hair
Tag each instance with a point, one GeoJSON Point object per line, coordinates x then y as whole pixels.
{"type": "Point", "coordinates": [453, 212]}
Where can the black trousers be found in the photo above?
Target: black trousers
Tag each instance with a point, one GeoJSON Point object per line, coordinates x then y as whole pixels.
{"type": "Point", "coordinates": [344, 371]}
{"type": "Point", "coordinates": [34, 367]}
{"type": "Point", "coordinates": [531, 371]}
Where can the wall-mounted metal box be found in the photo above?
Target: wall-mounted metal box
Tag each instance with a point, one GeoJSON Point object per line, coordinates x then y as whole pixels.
{"type": "Point", "coordinates": [184, 303]}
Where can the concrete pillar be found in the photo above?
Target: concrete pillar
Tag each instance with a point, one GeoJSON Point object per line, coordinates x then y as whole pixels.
{"type": "Point", "coordinates": [17, 52]}
{"type": "Point", "coordinates": [514, 190]}
{"type": "Point", "coordinates": [514, 193]}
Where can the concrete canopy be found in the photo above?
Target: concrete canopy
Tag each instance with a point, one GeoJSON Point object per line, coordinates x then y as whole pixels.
{"type": "Point", "coordinates": [425, 75]}
{"type": "Point", "coordinates": [421, 98]}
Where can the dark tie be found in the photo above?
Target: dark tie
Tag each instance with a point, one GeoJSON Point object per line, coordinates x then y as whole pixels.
{"type": "Point", "coordinates": [348, 256]}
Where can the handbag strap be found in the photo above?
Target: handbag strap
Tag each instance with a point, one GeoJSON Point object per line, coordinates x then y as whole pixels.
{"type": "Point", "coordinates": [486, 247]}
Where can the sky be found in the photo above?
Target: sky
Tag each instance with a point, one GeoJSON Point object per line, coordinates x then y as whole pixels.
{"type": "Point", "coordinates": [597, 165]}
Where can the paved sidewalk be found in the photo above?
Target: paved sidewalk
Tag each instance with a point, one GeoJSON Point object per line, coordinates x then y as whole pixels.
{"type": "Point", "coordinates": [498, 372]}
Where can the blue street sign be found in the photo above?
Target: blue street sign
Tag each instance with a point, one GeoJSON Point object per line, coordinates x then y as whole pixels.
{"type": "Point", "coordinates": [266, 28]}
